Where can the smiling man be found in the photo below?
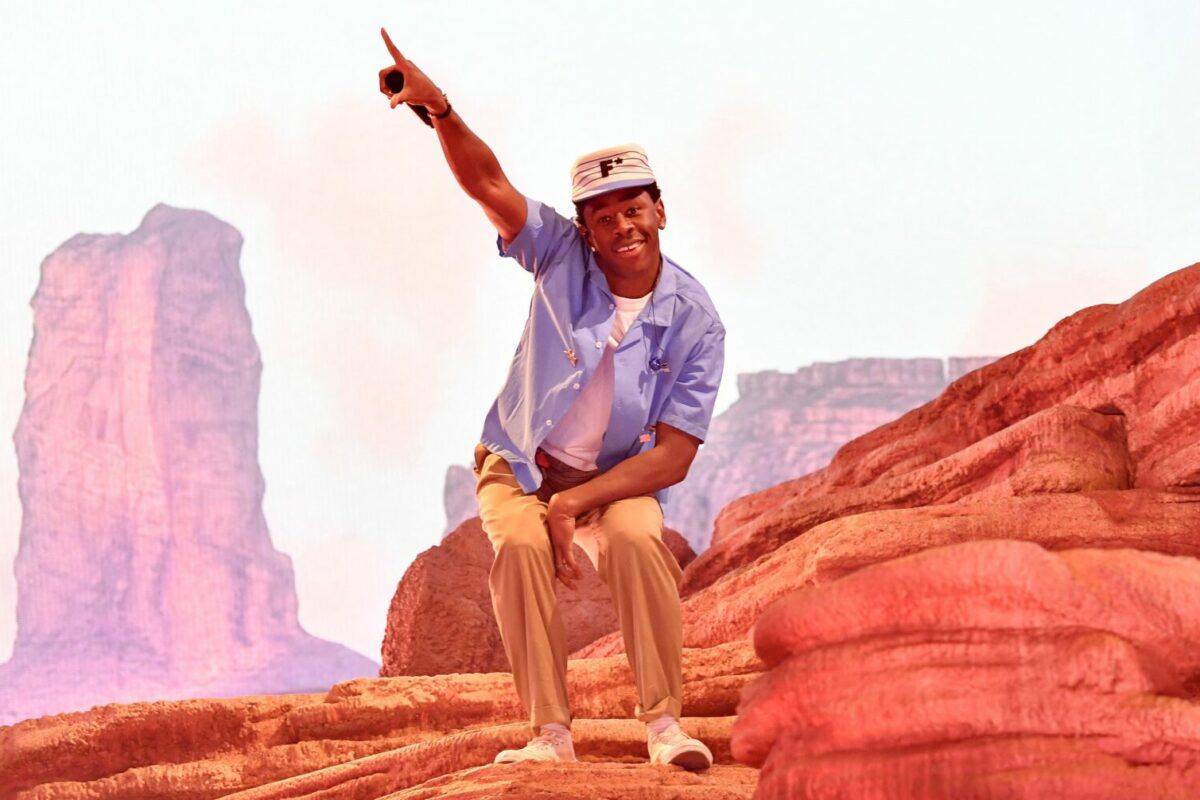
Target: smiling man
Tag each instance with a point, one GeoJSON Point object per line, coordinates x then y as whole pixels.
{"type": "Point", "coordinates": [608, 397]}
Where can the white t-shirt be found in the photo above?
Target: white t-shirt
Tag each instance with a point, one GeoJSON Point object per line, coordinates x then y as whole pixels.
{"type": "Point", "coordinates": [577, 438]}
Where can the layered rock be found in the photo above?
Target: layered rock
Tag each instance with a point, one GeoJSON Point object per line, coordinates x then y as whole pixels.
{"type": "Point", "coordinates": [1138, 359]}
{"type": "Point", "coordinates": [373, 737]}
{"type": "Point", "coordinates": [1014, 672]}
{"type": "Point", "coordinates": [783, 425]}
{"type": "Point", "coordinates": [441, 620]}
{"type": "Point", "coordinates": [986, 666]}
{"type": "Point", "coordinates": [1061, 449]}
{"type": "Point", "coordinates": [1138, 362]}
{"type": "Point", "coordinates": [1145, 519]}
{"type": "Point", "coordinates": [145, 567]}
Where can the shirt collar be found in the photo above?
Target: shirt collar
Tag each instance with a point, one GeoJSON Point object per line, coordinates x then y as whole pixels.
{"type": "Point", "coordinates": [664, 294]}
{"type": "Point", "coordinates": [664, 290]}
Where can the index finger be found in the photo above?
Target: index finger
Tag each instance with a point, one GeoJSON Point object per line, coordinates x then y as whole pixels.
{"type": "Point", "coordinates": [399, 59]}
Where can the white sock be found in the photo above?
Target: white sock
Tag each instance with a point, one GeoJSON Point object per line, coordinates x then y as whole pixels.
{"type": "Point", "coordinates": [661, 724]}
{"type": "Point", "coordinates": [558, 730]}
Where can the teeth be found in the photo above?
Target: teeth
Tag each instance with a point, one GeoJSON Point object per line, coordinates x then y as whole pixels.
{"type": "Point", "coordinates": [629, 248]}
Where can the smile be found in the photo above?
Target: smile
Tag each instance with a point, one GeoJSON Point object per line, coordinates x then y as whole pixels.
{"type": "Point", "coordinates": [629, 248]}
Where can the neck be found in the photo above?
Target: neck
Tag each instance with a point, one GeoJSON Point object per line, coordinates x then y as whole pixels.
{"type": "Point", "coordinates": [638, 286]}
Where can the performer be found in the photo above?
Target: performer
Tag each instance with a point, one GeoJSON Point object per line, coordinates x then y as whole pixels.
{"type": "Point", "coordinates": [608, 397]}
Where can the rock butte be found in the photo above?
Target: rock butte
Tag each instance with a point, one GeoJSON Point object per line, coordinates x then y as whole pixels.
{"type": "Point", "coordinates": [995, 595]}
{"type": "Point", "coordinates": [145, 567]}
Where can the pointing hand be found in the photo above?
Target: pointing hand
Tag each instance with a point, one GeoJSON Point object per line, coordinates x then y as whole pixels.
{"type": "Point", "coordinates": [418, 89]}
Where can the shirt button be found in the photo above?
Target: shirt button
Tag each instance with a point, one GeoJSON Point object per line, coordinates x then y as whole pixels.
{"type": "Point", "coordinates": [549, 422]}
{"type": "Point", "coordinates": [599, 345]}
{"type": "Point", "coordinates": [611, 306]}
{"type": "Point", "coordinates": [576, 386]}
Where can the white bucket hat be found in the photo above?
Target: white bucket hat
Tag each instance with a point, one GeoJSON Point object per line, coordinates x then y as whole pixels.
{"type": "Point", "coordinates": [609, 169]}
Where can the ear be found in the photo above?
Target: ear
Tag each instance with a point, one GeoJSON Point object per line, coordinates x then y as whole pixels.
{"type": "Point", "coordinates": [585, 233]}
{"type": "Point", "coordinates": [662, 213]}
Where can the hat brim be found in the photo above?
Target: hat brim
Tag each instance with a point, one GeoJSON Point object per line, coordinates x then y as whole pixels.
{"type": "Point", "coordinates": [615, 186]}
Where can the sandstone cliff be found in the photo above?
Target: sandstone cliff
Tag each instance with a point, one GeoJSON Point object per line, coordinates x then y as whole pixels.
{"type": "Point", "coordinates": [145, 567]}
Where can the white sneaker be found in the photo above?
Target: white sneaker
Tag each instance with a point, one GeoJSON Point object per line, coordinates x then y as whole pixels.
{"type": "Point", "coordinates": [553, 743]}
{"type": "Point", "coordinates": [668, 744]}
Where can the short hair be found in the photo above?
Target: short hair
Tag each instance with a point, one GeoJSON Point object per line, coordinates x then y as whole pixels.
{"type": "Point", "coordinates": [651, 189]}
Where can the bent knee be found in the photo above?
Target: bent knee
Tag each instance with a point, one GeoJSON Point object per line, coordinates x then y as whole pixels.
{"type": "Point", "coordinates": [526, 535]}
{"type": "Point", "coordinates": [634, 523]}
{"type": "Point", "coordinates": [638, 536]}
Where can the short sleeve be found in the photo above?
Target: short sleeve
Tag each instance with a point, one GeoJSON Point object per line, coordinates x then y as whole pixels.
{"type": "Point", "coordinates": [689, 406]}
{"type": "Point", "coordinates": [543, 239]}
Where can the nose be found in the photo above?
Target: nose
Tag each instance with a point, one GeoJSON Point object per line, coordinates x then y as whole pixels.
{"type": "Point", "coordinates": [624, 225]}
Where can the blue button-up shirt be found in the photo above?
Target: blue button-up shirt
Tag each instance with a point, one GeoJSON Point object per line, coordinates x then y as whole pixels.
{"type": "Point", "coordinates": [570, 318]}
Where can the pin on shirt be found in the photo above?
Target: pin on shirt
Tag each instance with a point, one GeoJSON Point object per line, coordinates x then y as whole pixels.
{"type": "Point", "coordinates": [570, 354]}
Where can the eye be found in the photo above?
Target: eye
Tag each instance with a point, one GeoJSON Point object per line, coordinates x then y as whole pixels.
{"type": "Point", "coordinates": [632, 211]}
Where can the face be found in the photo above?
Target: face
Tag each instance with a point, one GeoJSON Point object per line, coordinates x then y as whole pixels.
{"type": "Point", "coordinates": [622, 229]}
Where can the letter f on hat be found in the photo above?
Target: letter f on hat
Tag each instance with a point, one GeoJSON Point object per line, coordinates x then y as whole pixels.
{"type": "Point", "coordinates": [606, 166]}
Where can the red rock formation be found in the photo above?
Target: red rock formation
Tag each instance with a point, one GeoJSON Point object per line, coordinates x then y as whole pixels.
{"type": "Point", "coordinates": [1145, 519]}
{"type": "Point", "coordinates": [145, 568]}
{"type": "Point", "coordinates": [1139, 359]}
{"type": "Point", "coordinates": [990, 667]}
{"type": "Point", "coordinates": [1062, 449]}
{"type": "Point", "coordinates": [1039, 674]}
{"type": "Point", "coordinates": [369, 737]}
{"type": "Point", "coordinates": [441, 620]}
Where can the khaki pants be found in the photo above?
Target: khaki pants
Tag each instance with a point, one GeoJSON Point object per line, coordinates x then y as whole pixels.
{"type": "Point", "coordinates": [624, 541]}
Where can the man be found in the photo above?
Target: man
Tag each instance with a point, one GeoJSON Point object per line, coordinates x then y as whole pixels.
{"type": "Point", "coordinates": [607, 400]}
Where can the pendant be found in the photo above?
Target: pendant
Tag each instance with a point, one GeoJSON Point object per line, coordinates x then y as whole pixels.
{"type": "Point", "coordinates": [659, 364]}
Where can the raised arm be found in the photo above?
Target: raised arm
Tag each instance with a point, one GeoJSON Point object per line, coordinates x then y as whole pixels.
{"type": "Point", "coordinates": [473, 163]}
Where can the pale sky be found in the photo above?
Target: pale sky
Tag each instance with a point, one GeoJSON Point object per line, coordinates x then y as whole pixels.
{"type": "Point", "coordinates": [848, 179]}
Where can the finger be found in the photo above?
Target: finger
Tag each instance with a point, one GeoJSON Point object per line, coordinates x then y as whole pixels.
{"type": "Point", "coordinates": [568, 566]}
{"type": "Point", "coordinates": [383, 87]}
{"type": "Point", "coordinates": [395, 51]}
{"type": "Point", "coordinates": [562, 568]}
{"type": "Point", "coordinates": [560, 572]}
